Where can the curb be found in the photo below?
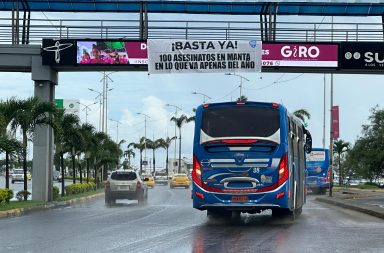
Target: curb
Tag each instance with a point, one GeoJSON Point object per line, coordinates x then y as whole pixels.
{"type": "Point", "coordinates": [363, 208]}
{"type": "Point", "coordinates": [55, 204]}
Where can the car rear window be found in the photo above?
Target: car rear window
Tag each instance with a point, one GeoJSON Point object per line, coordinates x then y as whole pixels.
{"type": "Point", "coordinates": [180, 175]}
{"type": "Point", "coordinates": [18, 172]}
{"type": "Point", "coordinates": [240, 121]}
{"type": "Point", "coordinates": [123, 176]}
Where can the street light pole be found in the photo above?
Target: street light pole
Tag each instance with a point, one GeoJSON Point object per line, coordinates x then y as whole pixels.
{"type": "Point", "coordinates": [117, 129]}
{"type": "Point", "coordinates": [101, 107]}
{"type": "Point", "coordinates": [86, 108]}
{"type": "Point", "coordinates": [177, 108]}
{"type": "Point", "coordinates": [241, 81]}
{"type": "Point", "coordinates": [105, 98]}
{"type": "Point", "coordinates": [204, 96]}
{"type": "Point", "coordinates": [145, 136]}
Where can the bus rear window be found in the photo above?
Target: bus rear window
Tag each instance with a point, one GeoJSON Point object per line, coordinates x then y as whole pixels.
{"type": "Point", "coordinates": [316, 156]}
{"type": "Point", "coordinates": [240, 121]}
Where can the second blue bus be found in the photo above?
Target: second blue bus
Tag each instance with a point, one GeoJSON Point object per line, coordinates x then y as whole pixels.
{"type": "Point", "coordinates": [317, 163]}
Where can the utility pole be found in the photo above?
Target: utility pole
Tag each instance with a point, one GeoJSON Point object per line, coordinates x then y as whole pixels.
{"type": "Point", "coordinates": [331, 133]}
{"type": "Point", "coordinates": [324, 108]}
{"type": "Point", "coordinates": [104, 80]}
{"type": "Point", "coordinates": [100, 96]}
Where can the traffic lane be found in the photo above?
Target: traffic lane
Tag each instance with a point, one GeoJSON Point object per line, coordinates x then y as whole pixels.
{"type": "Point", "coordinates": [170, 224]}
{"type": "Point", "coordinates": [94, 227]}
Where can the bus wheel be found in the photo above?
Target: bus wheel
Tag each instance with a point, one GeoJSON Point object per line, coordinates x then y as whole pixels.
{"type": "Point", "coordinates": [323, 191]}
{"type": "Point", "coordinates": [284, 213]}
{"type": "Point", "coordinates": [298, 211]}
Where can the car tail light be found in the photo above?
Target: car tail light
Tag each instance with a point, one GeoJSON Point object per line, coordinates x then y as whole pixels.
{"type": "Point", "coordinates": [107, 184]}
{"type": "Point", "coordinates": [196, 172]}
{"type": "Point", "coordinates": [138, 184]}
{"type": "Point", "coordinates": [283, 169]}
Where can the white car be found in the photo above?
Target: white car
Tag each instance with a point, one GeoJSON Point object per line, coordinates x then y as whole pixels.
{"type": "Point", "coordinates": [125, 184]}
{"type": "Point", "coordinates": [17, 175]}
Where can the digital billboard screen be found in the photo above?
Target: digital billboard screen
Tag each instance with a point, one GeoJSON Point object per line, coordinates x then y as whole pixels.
{"type": "Point", "coordinates": [111, 52]}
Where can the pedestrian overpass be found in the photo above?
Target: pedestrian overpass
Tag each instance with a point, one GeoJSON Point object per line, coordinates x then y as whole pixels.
{"type": "Point", "coordinates": [21, 40]}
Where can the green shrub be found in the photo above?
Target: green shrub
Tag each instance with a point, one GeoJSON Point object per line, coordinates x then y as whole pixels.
{"type": "Point", "coordinates": [21, 194]}
{"type": "Point", "coordinates": [55, 192]}
{"type": "Point", "coordinates": [5, 195]}
{"type": "Point", "coordinates": [371, 183]}
{"type": "Point", "coordinates": [79, 188]}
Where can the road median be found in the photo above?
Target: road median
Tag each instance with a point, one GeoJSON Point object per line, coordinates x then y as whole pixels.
{"type": "Point", "coordinates": [341, 201]}
{"type": "Point", "coordinates": [44, 206]}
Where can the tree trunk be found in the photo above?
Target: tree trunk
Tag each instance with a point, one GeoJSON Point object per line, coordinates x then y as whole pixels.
{"type": "Point", "coordinates": [96, 178]}
{"type": "Point", "coordinates": [166, 164]}
{"type": "Point", "coordinates": [62, 173]}
{"type": "Point", "coordinates": [154, 163]}
{"type": "Point", "coordinates": [6, 170]}
{"type": "Point", "coordinates": [25, 164]}
{"type": "Point", "coordinates": [80, 169]}
{"type": "Point", "coordinates": [178, 170]}
{"type": "Point", "coordinates": [73, 169]}
{"type": "Point", "coordinates": [340, 173]}
{"type": "Point", "coordinates": [87, 170]}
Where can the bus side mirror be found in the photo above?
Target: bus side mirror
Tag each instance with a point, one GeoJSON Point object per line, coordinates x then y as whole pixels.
{"type": "Point", "coordinates": [308, 142]}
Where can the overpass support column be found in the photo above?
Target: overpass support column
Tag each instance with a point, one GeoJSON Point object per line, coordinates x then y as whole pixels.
{"type": "Point", "coordinates": [43, 143]}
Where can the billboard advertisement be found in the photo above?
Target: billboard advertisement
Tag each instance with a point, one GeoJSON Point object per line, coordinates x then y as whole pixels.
{"type": "Point", "coordinates": [362, 55]}
{"type": "Point", "coordinates": [335, 122]}
{"type": "Point", "coordinates": [70, 105]}
{"type": "Point", "coordinates": [111, 52]}
{"type": "Point", "coordinates": [203, 56]}
{"type": "Point", "coordinates": [94, 52]}
{"type": "Point", "coordinates": [299, 55]}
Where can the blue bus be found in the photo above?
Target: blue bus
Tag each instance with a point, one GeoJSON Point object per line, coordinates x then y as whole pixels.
{"type": "Point", "coordinates": [317, 163]}
{"type": "Point", "coordinates": [248, 157]}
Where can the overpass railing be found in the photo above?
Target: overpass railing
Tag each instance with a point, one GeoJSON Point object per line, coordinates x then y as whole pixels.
{"type": "Point", "coordinates": [187, 29]}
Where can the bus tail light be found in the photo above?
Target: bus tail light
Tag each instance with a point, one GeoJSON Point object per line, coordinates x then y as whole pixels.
{"type": "Point", "coordinates": [283, 169]}
{"type": "Point", "coordinates": [196, 172]}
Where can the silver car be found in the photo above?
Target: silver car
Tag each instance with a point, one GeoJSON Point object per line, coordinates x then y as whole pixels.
{"type": "Point", "coordinates": [125, 184]}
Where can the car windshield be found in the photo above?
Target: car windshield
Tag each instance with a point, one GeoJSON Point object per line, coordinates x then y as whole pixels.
{"type": "Point", "coordinates": [18, 172]}
{"type": "Point", "coordinates": [123, 176]}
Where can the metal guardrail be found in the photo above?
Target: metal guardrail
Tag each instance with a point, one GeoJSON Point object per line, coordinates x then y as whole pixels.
{"type": "Point", "coordinates": [183, 29]}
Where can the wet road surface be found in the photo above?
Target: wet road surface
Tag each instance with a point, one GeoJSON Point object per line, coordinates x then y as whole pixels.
{"type": "Point", "coordinates": [169, 224]}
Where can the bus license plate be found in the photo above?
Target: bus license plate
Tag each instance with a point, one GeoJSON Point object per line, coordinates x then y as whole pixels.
{"type": "Point", "coordinates": [239, 198]}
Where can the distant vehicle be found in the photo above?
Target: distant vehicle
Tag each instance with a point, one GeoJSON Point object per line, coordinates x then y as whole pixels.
{"type": "Point", "coordinates": [59, 178]}
{"type": "Point", "coordinates": [29, 175]}
{"type": "Point", "coordinates": [17, 175]}
{"type": "Point", "coordinates": [248, 157]}
{"type": "Point", "coordinates": [161, 177]}
{"type": "Point", "coordinates": [148, 180]}
{"type": "Point", "coordinates": [179, 180]}
{"type": "Point", "coordinates": [125, 184]}
{"type": "Point", "coordinates": [317, 164]}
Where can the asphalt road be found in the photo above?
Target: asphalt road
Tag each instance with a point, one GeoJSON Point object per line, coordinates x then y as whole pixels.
{"type": "Point", "coordinates": [169, 224]}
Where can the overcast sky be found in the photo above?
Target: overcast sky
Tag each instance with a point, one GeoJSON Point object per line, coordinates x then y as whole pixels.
{"type": "Point", "coordinates": [135, 92]}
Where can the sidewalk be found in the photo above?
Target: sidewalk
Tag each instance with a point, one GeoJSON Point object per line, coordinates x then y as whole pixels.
{"type": "Point", "coordinates": [362, 200]}
{"type": "Point", "coordinates": [50, 205]}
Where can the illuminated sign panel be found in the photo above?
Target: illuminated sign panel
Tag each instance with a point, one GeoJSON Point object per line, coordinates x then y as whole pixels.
{"type": "Point", "coordinates": [111, 52]}
{"type": "Point", "coordinates": [94, 52]}
{"type": "Point", "coordinates": [299, 55]}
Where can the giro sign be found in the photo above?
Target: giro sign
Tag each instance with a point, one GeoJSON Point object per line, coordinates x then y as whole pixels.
{"type": "Point", "coordinates": [300, 55]}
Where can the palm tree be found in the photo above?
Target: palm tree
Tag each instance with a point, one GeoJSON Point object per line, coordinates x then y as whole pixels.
{"type": "Point", "coordinates": [9, 145]}
{"type": "Point", "coordinates": [340, 147]}
{"type": "Point", "coordinates": [302, 114]}
{"type": "Point", "coordinates": [129, 153]}
{"type": "Point", "coordinates": [87, 131]}
{"type": "Point", "coordinates": [179, 123]}
{"type": "Point", "coordinates": [140, 146]}
{"type": "Point", "coordinates": [242, 99]}
{"type": "Point", "coordinates": [64, 125]}
{"type": "Point", "coordinates": [154, 145]}
{"type": "Point", "coordinates": [166, 144]}
{"type": "Point", "coordinates": [29, 114]}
